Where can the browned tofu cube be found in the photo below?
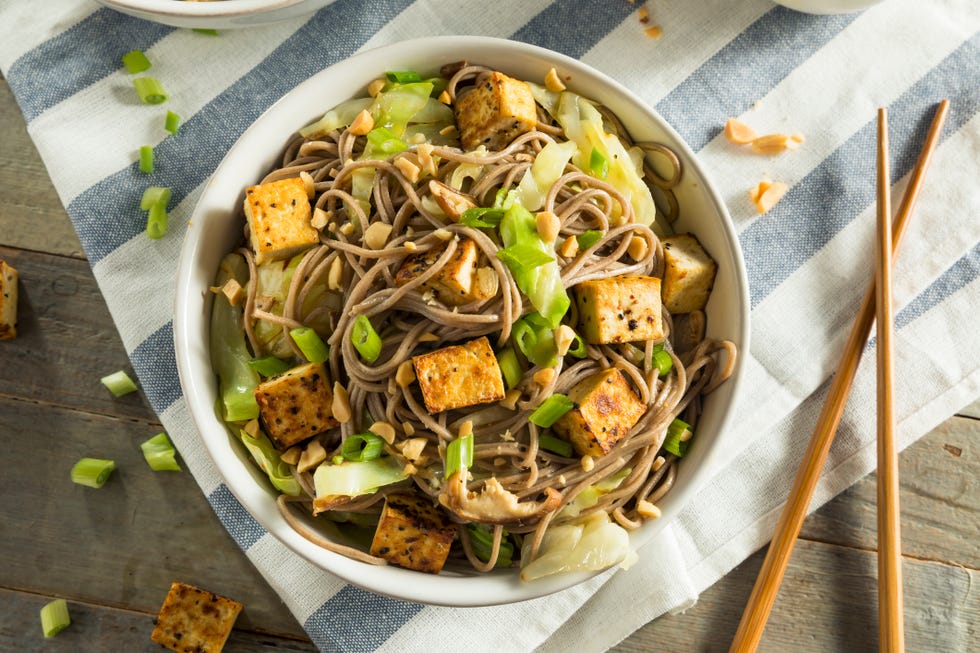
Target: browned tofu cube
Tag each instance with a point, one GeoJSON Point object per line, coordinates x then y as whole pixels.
{"type": "Point", "coordinates": [606, 408]}
{"type": "Point", "coordinates": [8, 302]}
{"type": "Point", "coordinates": [194, 620]}
{"type": "Point", "coordinates": [495, 113]}
{"type": "Point", "coordinates": [619, 309]}
{"type": "Point", "coordinates": [296, 405]}
{"type": "Point", "coordinates": [459, 376]}
{"type": "Point", "coordinates": [460, 281]}
{"type": "Point", "coordinates": [278, 215]}
{"type": "Point", "coordinates": [413, 533]}
{"type": "Point", "coordinates": [689, 274]}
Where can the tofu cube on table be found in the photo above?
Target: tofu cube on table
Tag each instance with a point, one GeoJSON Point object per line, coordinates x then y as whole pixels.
{"type": "Point", "coordinates": [459, 376]}
{"type": "Point", "coordinates": [689, 274]}
{"type": "Point", "coordinates": [296, 405]}
{"type": "Point", "coordinates": [8, 302]}
{"type": "Point", "coordinates": [606, 408]}
{"type": "Point", "coordinates": [460, 281]}
{"type": "Point", "coordinates": [413, 533]}
{"type": "Point", "coordinates": [495, 112]}
{"type": "Point", "coordinates": [619, 309]}
{"type": "Point", "coordinates": [278, 215]}
{"type": "Point", "coordinates": [193, 619]}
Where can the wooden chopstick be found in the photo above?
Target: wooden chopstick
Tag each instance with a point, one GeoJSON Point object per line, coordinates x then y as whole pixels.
{"type": "Point", "coordinates": [891, 633]}
{"type": "Point", "coordinates": [770, 576]}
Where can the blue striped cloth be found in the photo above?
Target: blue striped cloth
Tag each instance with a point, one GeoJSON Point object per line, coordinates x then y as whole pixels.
{"type": "Point", "coordinates": [808, 260]}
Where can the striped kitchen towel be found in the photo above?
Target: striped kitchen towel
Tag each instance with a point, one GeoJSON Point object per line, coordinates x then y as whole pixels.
{"type": "Point", "coordinates": [808, 259]}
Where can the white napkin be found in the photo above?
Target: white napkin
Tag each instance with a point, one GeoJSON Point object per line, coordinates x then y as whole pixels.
{"type": "Point", "coordinates": [809, 259]}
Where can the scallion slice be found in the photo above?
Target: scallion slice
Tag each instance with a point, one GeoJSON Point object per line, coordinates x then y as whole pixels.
{"type": "Point", "coordinates": [459, 455]}
{"type": "Point", "coordinates": [550, 410]}
{"type": "Point", "coordinates": [313, 348]}
{"type": "Point", "coordinates": [135, 61]}
{"type": "Point", "coordinates": [510, 366]}
{"type": "Point", "coordinates": [674, 443]}
{"type": "Point", "coordinates": [598, 164]}
{"type": "Point", "coordinates": [93, 472]}
{"type": "Point", "coordinates": [365, 339]}
{"type": "Point", "coordinates": [209, 32]}
{"type": "Point", "coordinates": [486, 218]}
{"type": "Point", "coordinates": [481, 540]}
{"type": "Point", "coordinates": [154, 195]}
{"type": "Point", "coordinates": [362, 447]}
{"type": "Point", "coordinates": [662, 360]}
{"type": "Point", "coordinates": [150, 90]}
{"type": "Point", "coordinates": [160, 453]}
{"type": "Point", "coordinates": [384, 141]}
{"type": "Point", "coordinates": [146, 159]}
{"type": "Point", "coordinates": [268, 365]}
{"type": "Point", "coordinates": [403, 76]}
{"type": "Point", "coordinates": [157, 221]}
{"type": "Point", "coordinates": [172, 122]}
{"type": "Point", "coordinates": [54, 617]}
{"type": "Point", "coordinates": [550, 443]}
{"type": "Point", "coordinates": [119, 383]}
{"type": "Point", "coordinates": [588, 238]}
{"type": "Point", "coordinates": [578, 350]}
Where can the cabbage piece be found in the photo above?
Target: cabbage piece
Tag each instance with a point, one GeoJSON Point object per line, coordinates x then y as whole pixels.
{"type": "Point", "coordinates": [548, 166]}
{"type": "Point", "coordinates": [592, 545]}
{"type": "Point", "coordinates": [591, 495]}
{"type": "Point", "coordinates": [268, 459]}
{"type": "Point", "coordinates": [541, 283]}
{"type": "Point", "coordinates": [340, 116]}
{"type": "Point", "coordinates": [582, 123]}
{"type": "Point", "coordinates": [229, 353]}
{"type": "Point", "coordinates": [351, 479]}
{"type": "Point", "coordinates": [467, 171]}
{"type": "Point", "coordinates": [273, 279]}
{"type": "Point", "coordinates": [547, 99]}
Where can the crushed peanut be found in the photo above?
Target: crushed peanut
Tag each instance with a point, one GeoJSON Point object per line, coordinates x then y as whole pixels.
{"type": "Point", "coordinates": [335, 275]}
{"type": "Point", "coordinates": [347, 228]}
{"type": "Point", "coordinates": [544, 376]}
{"type": "Point", "coordinates": [738, 132]}
{"type": "Point", "coordinates": [443, 234]}
{"type": "Point", "coordinates": [588, 463]}
{"type": "Point", "coordinates": [466, 428]}
{"type": "Point", "coordinates": [384, 430]}
{"type": "Point", "coordinates": [510, 399]}
{"type": "Point", "coordinates": [410, 246]}
{"type": "Point", "coordinates": [313, 455]}
{"type": "Point", "coordinates": [654, 32]}
{"type": "Point", "coordinates": [407, 168]}
{"type": "Point", "coordinates": [767, 194]}
{"type": "Point", "coordinates": [308, 182]}
{"type": "Point", "coordinates": [658, 463]}
{"type": "Point", "coordinates": [770, 144]}
{"type": "Point", "coordinates": [646, 509]}
{"type": "Point", "coordinates": [569, 248]}
{"type": "Point", "coordinates": [638, 248]}
{"type": "Point", "coordinates": [416, 139]}
{"type": "Point", "coordinates": [564, 337]}
{"type": "Point", "coordinates": [376, 87]}
{"type": "Point", "coordinates": [362, 124]}
{"type": "Point", "coordinates": [405, 375]}
{"type": "Point", "coordinates": [428, 337]}
{"type": "Point", "coordinates": [376, 235]}
{"type": "Point", "coordinates": [408, 428]}
{"type": "Point", "coordinates": [233, 291]}
{"type": "Point", "coordinates": [548, 226]}
{"type": "Point", "coordinates": [424, 154]}
{"type": "Point", "coordinates": [320, 218]}
{"type": "Point", "coordinates": [412, 448]}
{"type": "Point", "coordinates": [553, 82]}
{"type": "Point", "coordinates": [252, 428]}
{"type": "Point", "coordinates": [291, 455]}
{"type": "Point", "coordinates": [341, 403]}
{"type": "Point", "coordinates": [444, 98]}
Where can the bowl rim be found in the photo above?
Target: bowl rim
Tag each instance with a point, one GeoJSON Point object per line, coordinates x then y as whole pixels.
{"type": "Point", "coordinates": [228, 9]}
{"type": "Point", "coordinates": [500, 587]}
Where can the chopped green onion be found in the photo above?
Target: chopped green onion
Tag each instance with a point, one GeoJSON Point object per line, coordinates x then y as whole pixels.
{"type": "Point", "coordinates": [481, 539]}
{"type": "Point", "coordinates": [500, 199]}
{"type": "Point", "coordinates": [578, 350]}
{"type": "Point", "coordinates": [521, 259]}
{"type": "Point", "coordinates": [119, 383]}
{"type": "Point", "coordinates": [54, 617]}
{"type": "Point", "coordinates": [385, 142]}
{"type": "Point", "coordinates": [313, 348]}
{"type": "Point", "coordinates": [268, 365]}
{"type": "Point", "coordinates": [337, 460]}
{"type": "Point", "coordinates": [160, 453]}
{"type": "Point", "coordinates": [150, 90]}
{"type": "Point", "coordinates": [482, 217]}
{"type": "Point", "coordinates": [550, 443]}
{"type": "Point", "coordinates": [362, 447]}
{"type": "Point", "coordinates": [536, 340]}
{"type": "Point", "coordinates": [598, 164]}
{"type": "Point", "coordinates": [156, 221]}
{"type": "Point", "coordinates": [550, 410]}
{"type": "Point", "coordinates": [154, 195]}
{"type": "Point", "coordinates": [510, 367]}
{"type": "Point", "coordinates": [403, 77]}
{"type": "Point", "coordinates": [146, 159]}
{"type": "Point", "coordinates": [365, 339]}
{"type": "Point", "coordinates": [673, 442]}
{"type": "Point", "coordinates": [136, 62]}
{"type": "Point", "coordinates": [93, 472]}
{"type": "Point", "coordinates": [172, 122]}
{"type": "Point", "coordinates": [587, 239]}
{"type": "Point", "coordinates": [209, 32]}
{"type": "Point", "coordinates": [459, 455]}
{"type": "Point", "coordinates": [662, 360]}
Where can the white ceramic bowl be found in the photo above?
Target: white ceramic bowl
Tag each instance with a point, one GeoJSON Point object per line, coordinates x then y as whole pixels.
{"type": "Point", "coordinates": [227, 14]}
{"type": "Point", "coordinates": [217, 228]}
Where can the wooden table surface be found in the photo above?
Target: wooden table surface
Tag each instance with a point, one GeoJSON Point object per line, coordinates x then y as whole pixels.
{"type": "Point", "coordinates": [112, 553]}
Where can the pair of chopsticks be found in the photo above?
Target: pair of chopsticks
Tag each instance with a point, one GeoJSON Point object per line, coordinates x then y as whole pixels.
{"type": "Point", "coordinates": [878, 297]}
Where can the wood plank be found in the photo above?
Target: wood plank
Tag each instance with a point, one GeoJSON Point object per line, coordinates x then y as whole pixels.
{"type": "Point", "coordinates": [973, 410]}
{"type": "Point", "coordinates": [66, 340]}
{"type": "Point", "coordinates": [98, 628]}
{"type": "Point", "coordinates": [123, 544]}
{"type": "Point", "coordinates": [828, 602]}
{"type": "Point", "coordinates": [940, 500]}
{"type": "Point", "coordinates": [32, 216]}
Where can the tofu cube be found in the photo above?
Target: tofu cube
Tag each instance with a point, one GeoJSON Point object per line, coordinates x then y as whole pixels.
{"type": "Point", "coordinates": [278, 215]}
{"type": "Point", "coordinates": [689, 274]}
{"type": "Point", "coordinates": [413, 533]}
{"type": "Point", "coordinates": [193, 619]}
{"type": "Point", "coordinates": [459, 376]}
{"type": "Point", "coordinates": [8, 302]}
{"type": "Point", "coordinates": [296, 405]}
{"type": "Point", "coordinates": [619, 309]}
{"type": "Point", "coordinates": [460, 281]}
{"type": "Point", "coordinates": [606, 408]}
{"type": "Point", "coordinates": [496, 112]}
